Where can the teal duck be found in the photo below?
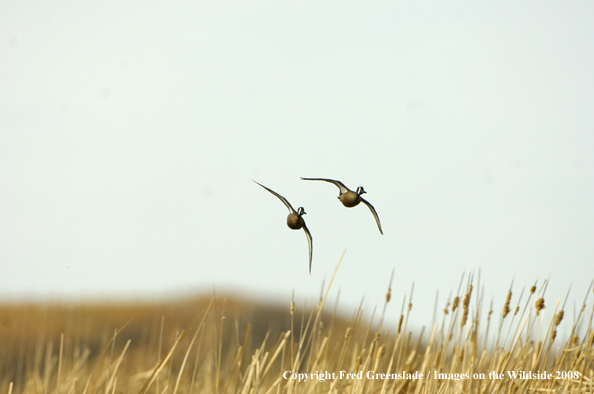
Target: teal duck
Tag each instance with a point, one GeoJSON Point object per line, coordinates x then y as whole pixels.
{"type": "Point", "coordinates": [295, 220]}
{"type": "Point", "coordinates": [350, 198]}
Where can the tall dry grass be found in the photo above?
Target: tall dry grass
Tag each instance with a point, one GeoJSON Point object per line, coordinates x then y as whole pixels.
{"type": "Point", "coordinates": [218, 345]}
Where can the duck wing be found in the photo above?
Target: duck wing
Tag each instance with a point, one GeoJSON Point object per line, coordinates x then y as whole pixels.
{"type": "Point", "coordinates": [284, 200]}
{"type": "Point", "coordinates": [310, 244]}
{"type": "Point", "coordinates": [341, 186]}
{"type": "Point", "coordinates": [372, 209]}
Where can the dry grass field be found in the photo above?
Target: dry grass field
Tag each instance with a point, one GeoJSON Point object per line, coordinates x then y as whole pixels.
{"type": "Point", "coordinates": [225, 345]}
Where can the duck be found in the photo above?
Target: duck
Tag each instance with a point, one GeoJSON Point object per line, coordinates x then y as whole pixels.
{"type": "Point", "coordinates": [350, 198]}
{"type": "Point", "coordinates": [295, 220]}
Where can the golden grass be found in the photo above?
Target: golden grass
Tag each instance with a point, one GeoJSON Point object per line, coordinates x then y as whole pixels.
{"type": "Point", "coordinates": [218, 345]}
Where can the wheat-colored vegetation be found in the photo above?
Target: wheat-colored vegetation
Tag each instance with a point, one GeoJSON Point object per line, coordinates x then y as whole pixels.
{"type": "Point", "coordinates": [222, 345]}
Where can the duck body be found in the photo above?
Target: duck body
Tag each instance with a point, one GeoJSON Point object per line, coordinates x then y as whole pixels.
{"type": "Point", "coordinates": [350, 199]}
{"type": "Point", "coordinates": [295, 221]}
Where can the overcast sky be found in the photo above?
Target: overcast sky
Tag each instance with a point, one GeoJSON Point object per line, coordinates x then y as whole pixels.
{"type": "Point", "coordinates": [130, 133]}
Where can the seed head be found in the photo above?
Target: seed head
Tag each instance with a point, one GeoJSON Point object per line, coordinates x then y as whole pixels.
{"type": "Point", "coordinates": [559, 318]}
{"type": "Point", "coordinates": [539, 305]}
{"type": "Point", "coordinates": [506, 308]}
{"type": "Point", "coordinates": [382, 351]}
{"type": "Point", "coordinates": [466, 301]}
{"type": "Point", "coordinates": [464, 318]}
{"type": "Point", "coordinates": [347, 334]}
{"type": "Point", "coordinates": [465, 304]}
{"type": "Point", "coordinates": [575, 340]}
{"type": "Point", "coordinates": [455, 303]}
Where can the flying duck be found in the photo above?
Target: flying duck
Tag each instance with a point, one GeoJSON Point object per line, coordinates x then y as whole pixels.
{"type": "Point", "coordinates": [350, 198]}
{"type": "Point", "coordinates": [295, 220]}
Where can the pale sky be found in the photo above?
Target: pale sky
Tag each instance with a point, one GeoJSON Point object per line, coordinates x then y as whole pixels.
{"type": "Point", "coordinates": [130, 133]}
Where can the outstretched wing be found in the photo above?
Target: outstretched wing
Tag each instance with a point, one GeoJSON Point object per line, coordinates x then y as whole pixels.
{"type": "Point", "coordinates": [341, 186]}
{"type": "Point", "coordinates": [284, 200]}
{"type": "Point", "coordinates": [310, 243]}
{"type": "Point", "coordinates": [372, 209]}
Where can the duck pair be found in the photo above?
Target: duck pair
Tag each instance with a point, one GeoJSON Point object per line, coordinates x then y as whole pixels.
{"type": "Point", "coordinates": [347, 197]}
